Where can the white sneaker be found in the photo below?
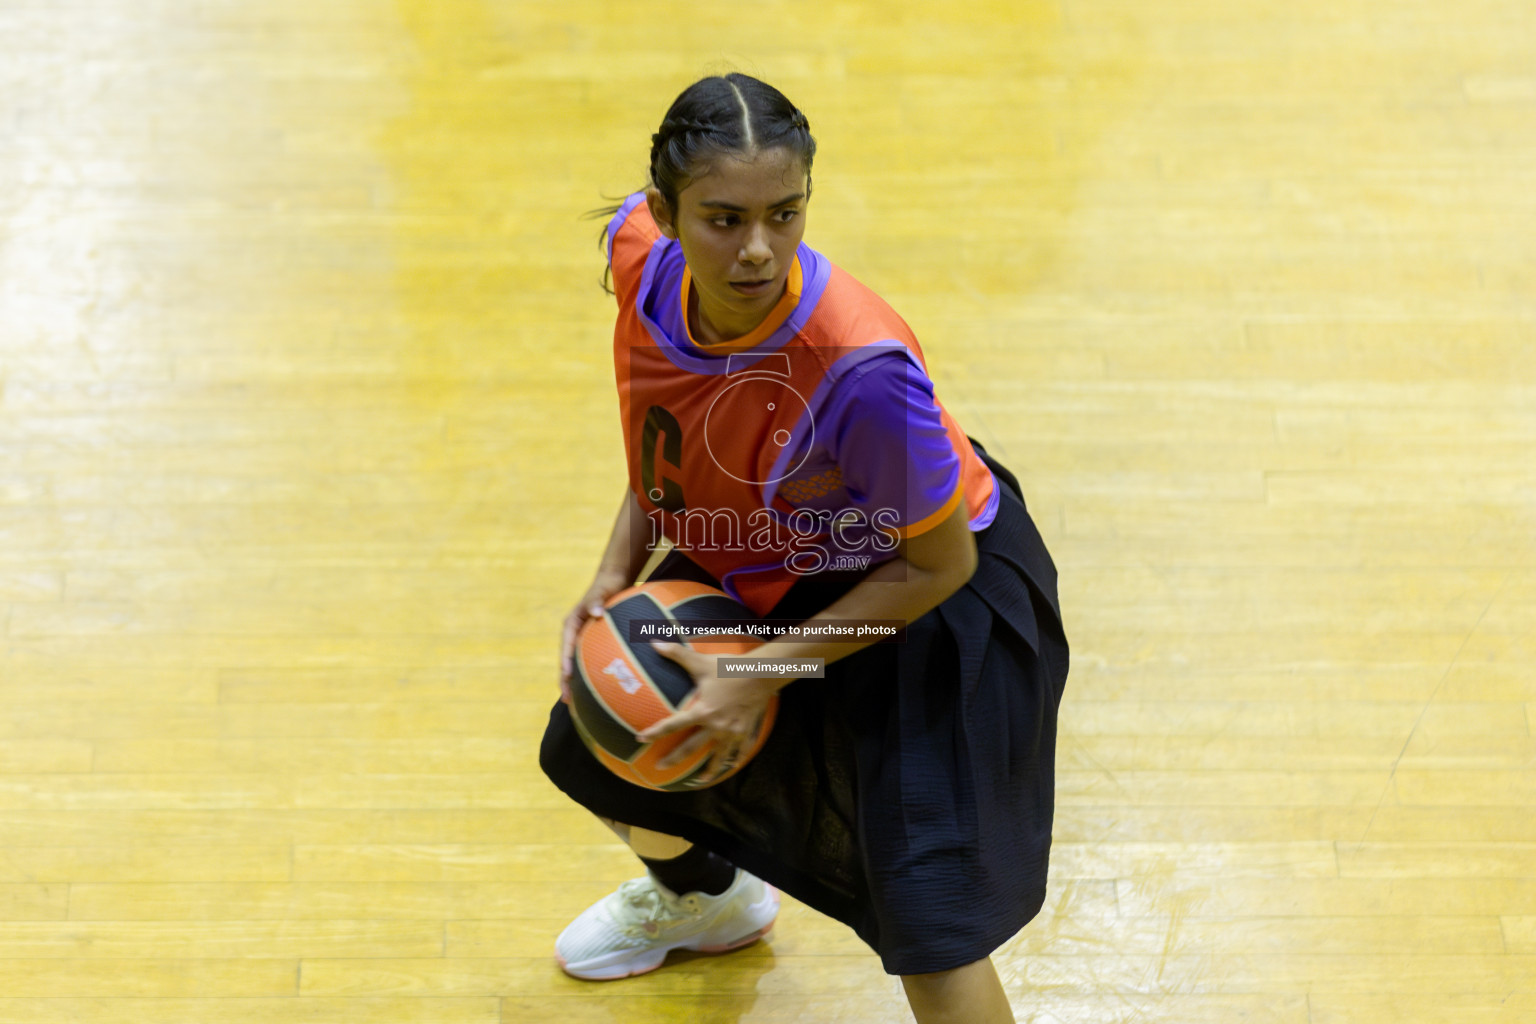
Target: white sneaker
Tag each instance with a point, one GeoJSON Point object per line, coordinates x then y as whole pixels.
{"type": "Point", "coordinates": [632, 930]}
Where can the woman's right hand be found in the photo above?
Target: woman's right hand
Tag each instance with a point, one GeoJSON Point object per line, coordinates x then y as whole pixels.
{"type": "Point", "coordinates": [604, 586]}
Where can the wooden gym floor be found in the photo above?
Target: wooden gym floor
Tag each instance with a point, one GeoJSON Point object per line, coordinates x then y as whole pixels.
{"type": "Point", "coordinates": [307, 441]}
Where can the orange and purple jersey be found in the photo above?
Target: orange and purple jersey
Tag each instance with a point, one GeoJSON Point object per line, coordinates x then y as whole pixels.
{"type": "Point", "coordinates": [812, 443]}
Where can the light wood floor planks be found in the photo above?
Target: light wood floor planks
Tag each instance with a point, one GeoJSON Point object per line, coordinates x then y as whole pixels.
{"type": "Point", "coordinates": [307, 439]}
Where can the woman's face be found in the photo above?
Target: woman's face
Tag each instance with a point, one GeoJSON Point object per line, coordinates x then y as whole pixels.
{"type": "Point", "coordinates": [739, 221]}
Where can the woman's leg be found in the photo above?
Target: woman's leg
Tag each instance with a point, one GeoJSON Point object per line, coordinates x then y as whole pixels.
{"type": "Point", "coordinates": [648, 845]}
{"type": "Point", "coordinates": [972, 994]}
{"type": "Point", "coordinates": [676, 863]}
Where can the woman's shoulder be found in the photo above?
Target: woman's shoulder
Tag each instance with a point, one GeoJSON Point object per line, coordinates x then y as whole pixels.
{"type": "Point", "coordinates": [850, 312]}
{"type": "Point", "coordinates": [632, 235]}
{"type": "Point", "coordinates": [851, 328]}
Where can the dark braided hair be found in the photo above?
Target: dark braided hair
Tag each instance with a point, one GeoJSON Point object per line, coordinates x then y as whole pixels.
{"type": "Point", "coordinates": [716, 116]}
{"type": "Point", "coordinates": [732, 113]}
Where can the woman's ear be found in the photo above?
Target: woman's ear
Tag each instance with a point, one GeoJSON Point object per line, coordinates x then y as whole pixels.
{"type": "Point", "coordinates": [661, 212]}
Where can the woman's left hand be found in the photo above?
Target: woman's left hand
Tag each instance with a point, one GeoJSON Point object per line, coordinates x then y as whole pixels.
{"type": "Point", "coordinates": [723, 711]}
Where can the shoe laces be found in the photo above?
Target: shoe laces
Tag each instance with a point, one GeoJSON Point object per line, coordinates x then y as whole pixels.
{"type": "Point", "coordinates": [644, 910]}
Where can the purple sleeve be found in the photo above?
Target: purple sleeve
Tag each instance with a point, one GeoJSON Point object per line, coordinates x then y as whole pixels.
{"type": "Point", "coordinates": [884, 430]}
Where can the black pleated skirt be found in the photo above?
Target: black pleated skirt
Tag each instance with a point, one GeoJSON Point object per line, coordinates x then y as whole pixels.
{"type": "Point", "coordinates": [909, 794]}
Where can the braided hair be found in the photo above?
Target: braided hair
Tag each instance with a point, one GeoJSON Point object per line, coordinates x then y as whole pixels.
{"type": "Point", "coordinates": [732, 113]}
{"type": "Point", "coordinates": [724, 114]}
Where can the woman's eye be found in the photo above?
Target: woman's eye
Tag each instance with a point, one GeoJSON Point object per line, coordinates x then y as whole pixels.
{"type": "Point", "coordinates": [785, 216]}
{"type": "Point", "coordinates": [724, 222]}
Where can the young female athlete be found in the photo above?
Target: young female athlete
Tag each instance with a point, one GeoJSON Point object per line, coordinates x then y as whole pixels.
{"type": "Point", "coordinates": [783, 432]}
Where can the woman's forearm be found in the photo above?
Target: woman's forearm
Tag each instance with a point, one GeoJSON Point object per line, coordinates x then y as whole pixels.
{"type": "Point", "coordinates": [629, 543]}
{"type": "Point", "coordinates": [894, 590]}
{"type": "Point", "coordinates": [927, 569]}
